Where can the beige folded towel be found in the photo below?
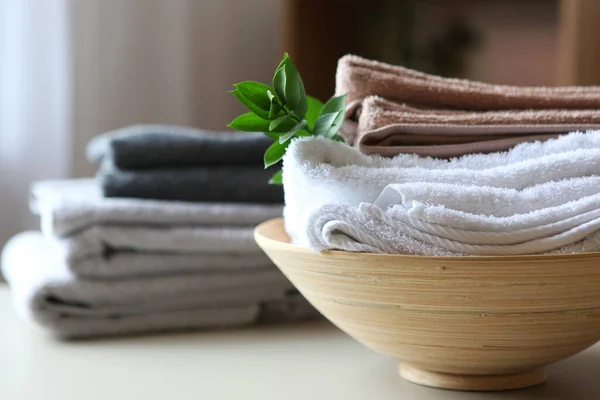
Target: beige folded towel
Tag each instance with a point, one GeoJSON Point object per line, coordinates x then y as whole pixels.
{"type": "Point", "coordinates": [393, 110]}
{"type": "Point", "coordinates": [378, 112]}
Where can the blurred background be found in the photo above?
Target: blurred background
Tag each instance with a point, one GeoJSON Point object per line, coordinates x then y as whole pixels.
{"type": "Point", "coordinates": [72, 69]}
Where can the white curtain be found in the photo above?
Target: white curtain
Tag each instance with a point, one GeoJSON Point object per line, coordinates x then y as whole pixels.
{"type": "Point", "coordinates": [71, 69]}
{"type": "Point", "coordinates": [34, 103]}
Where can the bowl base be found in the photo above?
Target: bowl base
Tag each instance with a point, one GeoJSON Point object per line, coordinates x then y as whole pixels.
{"type": "Point", "coordinates": [472, 382]}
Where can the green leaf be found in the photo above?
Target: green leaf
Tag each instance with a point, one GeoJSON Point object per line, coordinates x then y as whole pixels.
{"type": "Point", "coordinates": [277, 179]}
{"type": "Point", "coordinates": [290, 134]}
{"type": "Point", "coordinates": [313, 111]}
{"type": "Point", "coordinates": [279, 84]}
{"type": "Point", "coordinates": [256, 92]}
{"type": "Point", "coordinates": [275, 153]}
{"type": "Point", "coordinates": [275, 107]}
{"type": "Point", "coordinates": [289, 87]}
{"type": "Point", "coordinates": [250, 122]}
{"type": "Point", "coordinates": [294, 90]}
{"type": "Point", "coordinates": [286, 137]}
{"type": "Point", "coordinates": [273, 135]}
{"type": "Point", "coordinates": [283, 61]}
{"type": "Point", "coordinates": [324, 123]}
{"type": "Point", "coordinates": [285, 126]}
{"type": "Point", "coordinates": [251, 106]}
{"type": "Point", "coordinates": [336, 125]}
{"type": "Point", "coordinates": [332, 117]}
{"type": "Point", "coordinates": [338, 138]}
{"type": "Point", "coordinates": [335, 104]}
{"type": "Point", "coordinates": [274, 111]}
{"type": "Point", "coordinates": [276, 122]}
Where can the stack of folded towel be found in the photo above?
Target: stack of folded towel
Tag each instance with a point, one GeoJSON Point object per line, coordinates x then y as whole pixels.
{"type": "Point", "coordinates": [105, 265]}
{"type": "Point", "coordinates": [512, 173]}
{"type": "Point", "coordinates": [393, 110]}
{"type": "Point", "coordinates": [538, 197]}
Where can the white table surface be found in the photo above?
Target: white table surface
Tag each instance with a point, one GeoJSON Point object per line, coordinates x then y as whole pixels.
{"type": "Point", "coordinates": [308, 361]}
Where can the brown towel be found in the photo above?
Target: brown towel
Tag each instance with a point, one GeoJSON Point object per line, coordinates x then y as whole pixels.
{"type": "Point", "coordinates": [443, 117]}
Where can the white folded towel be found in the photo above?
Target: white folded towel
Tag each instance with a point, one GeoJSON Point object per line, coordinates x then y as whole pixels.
{"type": "Point", "coordinates": [535, 212]}
{"type": "Point", "coordinates": [66, 206]}
{"type": "Point", "coordinates": [537, 197]}
{"type": "Point", "coordinates": [46, 291]}
{"type": "Point", "coordinates": [490, 201]}
{"type": "Point", "coordinates": [368, 229]}
{"type": "Point", "coordinates": [341, 227]}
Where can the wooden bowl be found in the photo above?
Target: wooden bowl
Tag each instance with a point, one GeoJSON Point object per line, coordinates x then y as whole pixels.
{"type": "Point", "coordinates": [465, 323]}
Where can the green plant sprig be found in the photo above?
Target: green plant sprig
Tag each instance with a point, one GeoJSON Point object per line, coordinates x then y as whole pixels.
{"type": "Point", "coordinates": [284, 111]}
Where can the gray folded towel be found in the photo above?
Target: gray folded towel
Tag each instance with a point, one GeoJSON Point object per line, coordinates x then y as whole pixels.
{"type": "Point", "coordinates": [177, 163]}
{"type": "Point", "coordinates": [168, 146]}
{"type": "Point", "coordinates": [110, 238]}
{"type": "Point", "coordinates": [102, 239]}
{"type": "Point", "coordinates": [110, 252]}
{"type": "Point", "coordinates": [129, 264]}
{"type": "Point", "coordinates": [46, 292]}
{"type": "Point", "coordinates": [206, 184]}
{"type": "Point", "coordinates": [67, 206]}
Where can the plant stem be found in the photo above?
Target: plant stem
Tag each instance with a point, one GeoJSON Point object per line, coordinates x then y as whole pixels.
{"type": "Point", "coordinates": [291, 112]}
{"type": "Point", "coordinates": [295, 117]}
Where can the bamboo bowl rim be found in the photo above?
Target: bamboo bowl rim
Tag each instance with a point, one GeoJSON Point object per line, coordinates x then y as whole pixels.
{"type": "Point", "coordinates": [265, 230]}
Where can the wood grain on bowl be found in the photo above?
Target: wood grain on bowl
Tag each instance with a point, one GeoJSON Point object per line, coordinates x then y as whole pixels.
{"type": "Point", "coordinates": [499, 317]}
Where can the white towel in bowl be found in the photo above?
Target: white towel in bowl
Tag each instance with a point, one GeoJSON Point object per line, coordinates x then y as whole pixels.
{"type": "Point", "coordinates": [537, 197]}
{"type": "Point", "coordinates": [558, 205]}
{"type": "Point", "coordinates": [369, 229]}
